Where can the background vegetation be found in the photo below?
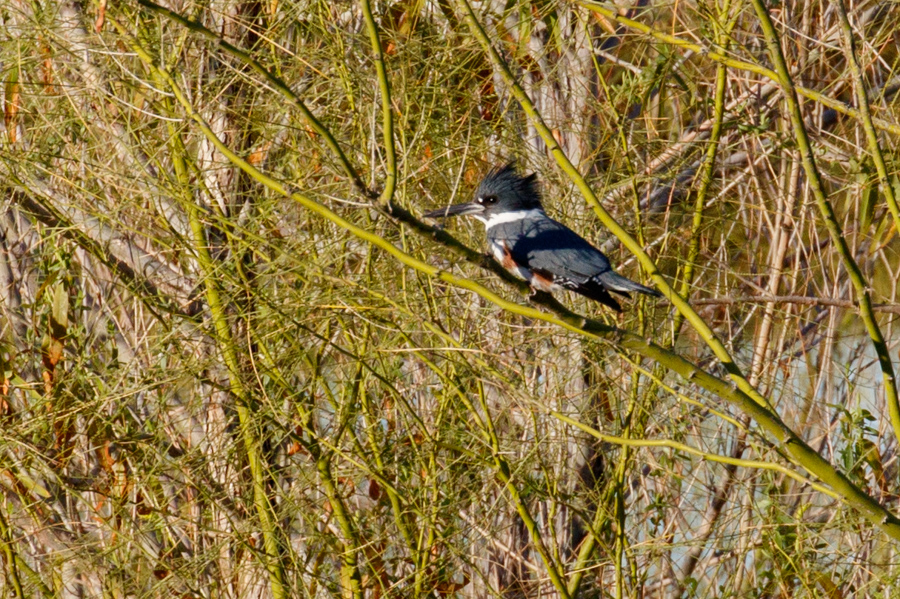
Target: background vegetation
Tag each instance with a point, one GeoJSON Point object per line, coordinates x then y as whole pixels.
{"type": "Point", "coordinates": [234, 363]}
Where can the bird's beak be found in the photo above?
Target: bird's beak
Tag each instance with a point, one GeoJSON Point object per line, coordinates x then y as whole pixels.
{"type": "Point", "coordinates": [456, 210]}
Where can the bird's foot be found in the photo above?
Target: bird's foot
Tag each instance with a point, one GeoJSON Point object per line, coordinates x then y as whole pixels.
{"type": "Point", "coordinates": [539, 294]}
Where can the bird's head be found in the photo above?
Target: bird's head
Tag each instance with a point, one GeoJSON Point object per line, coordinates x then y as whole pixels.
{"type": "Point", "coordinates": [503, 190]}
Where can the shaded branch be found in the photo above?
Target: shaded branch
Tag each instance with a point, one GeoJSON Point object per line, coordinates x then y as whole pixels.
{"type": "Point", "coordinates": [148, 279]}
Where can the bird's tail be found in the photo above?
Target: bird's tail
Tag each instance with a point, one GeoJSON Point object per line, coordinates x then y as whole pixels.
{"type": "Point", "coordinates": [616, 282]}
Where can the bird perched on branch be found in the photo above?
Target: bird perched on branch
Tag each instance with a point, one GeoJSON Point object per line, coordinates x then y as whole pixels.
{"type": "Point", "coordinates": [533, 246]}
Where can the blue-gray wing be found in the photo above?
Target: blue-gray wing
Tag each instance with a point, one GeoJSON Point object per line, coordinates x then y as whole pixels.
{"type": "Point", "coordinates": [550, 247]}
{"type": "Point", "coordinates": [554, 251]}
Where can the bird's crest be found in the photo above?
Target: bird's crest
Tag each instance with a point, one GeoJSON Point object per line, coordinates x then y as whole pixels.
{"type": "Point", "coordinates": [505, 181]}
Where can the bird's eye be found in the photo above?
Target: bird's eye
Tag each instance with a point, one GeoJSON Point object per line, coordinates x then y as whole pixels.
{"type": "Point", "coordinates": [489, 199]}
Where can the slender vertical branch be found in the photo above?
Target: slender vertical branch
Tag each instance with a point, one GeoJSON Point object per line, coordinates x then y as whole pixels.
{"type": "Point", "coordinates": [226, 346]}
{"type": "Point", "coordinates": [859, 282]}
{"type": "Point", "coordinates": [862, 101]}
{"type": "Point", "coordinates": [11, 558]}
{"type": "Point", "coordinates": [504, 473]}
{"type": "Point", "coordinates": [387, 114]}
{"type": "Point", "coordinates": [224, 341]}
{"type": "Point", "coordinates": [350, 574]}
{"type": "Point", "coordinates": [706, 174]}
{"type": "Point", "coordinates": [321, 454]}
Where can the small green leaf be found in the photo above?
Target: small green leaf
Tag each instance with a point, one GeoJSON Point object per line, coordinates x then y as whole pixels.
{"type": "Point", "coordinates": [59, 311]}
{"type": "Point", "coordinates": [867, 205]}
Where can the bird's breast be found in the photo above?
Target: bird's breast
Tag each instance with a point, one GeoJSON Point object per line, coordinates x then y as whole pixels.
{"type": "Point", "coordinates": [500, 250]}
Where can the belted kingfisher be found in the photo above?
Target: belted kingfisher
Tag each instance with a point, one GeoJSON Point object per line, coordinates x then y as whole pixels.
{"type": "Point", "coordinates": [533, 246]}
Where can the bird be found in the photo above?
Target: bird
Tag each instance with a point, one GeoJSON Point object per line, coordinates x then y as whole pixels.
{"type": "Point", "coordinates": [547, 254]}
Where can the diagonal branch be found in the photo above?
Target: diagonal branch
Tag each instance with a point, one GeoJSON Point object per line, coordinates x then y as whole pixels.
{"type": "Point", "coordinates": [279, 85]}
{"type": "Point", "coordinates": [160, 288]}
{"type": "Point", "coordinates": [699, 325]}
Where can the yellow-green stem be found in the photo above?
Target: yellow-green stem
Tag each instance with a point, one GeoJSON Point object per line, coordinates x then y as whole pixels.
{"type": "Point", "coordinates": [280, 86]}
{"type": "Point", "coordinates": [767, 420]}
{"type": "Point", "coordinates": [12, 558]}
{"type": "Point", "coordinates": [387, 115]}
{"type": "Point", "coordinates": [505, 475]}
{"type": "Point", "coordinates": [225, 345]}
{"type": "Point", "coordinates": [865, 112]}
{"type": "Point", "coordinates": [705, 455]}
{"type": "Point", "coordinates": [790, 442]}
{"type": "Point", "coordinates": [814, 179]}
{"type": "Point", "coordinates": [862, 101]}
{"type": "Point", "coordinates": [706, 177]}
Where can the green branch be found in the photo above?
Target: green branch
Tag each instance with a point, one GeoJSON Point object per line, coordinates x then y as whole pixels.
{"type": "Point", "coordinates": [711, 457]}
{"type": "Point", "coordinates": [790, 443]}
{"type": "Point", "coordinates": [865, 113]}
{"type": "Point", "coordinates": [504, 473]}
{"type": "Point", "coordinates": [706, 176]}
{"type": "Point", "coordinates": [279, 85]}
{"type": "Point", "coordinates": [890, 386]}
{"type": "Point", "coordinates": [387, 115]}
{"type": "Point", "coordinates": [225, 343]}
{"type": "Point", "coordinates": [11, 557]}
{"type": "Point", "coordinates": [860, 284]}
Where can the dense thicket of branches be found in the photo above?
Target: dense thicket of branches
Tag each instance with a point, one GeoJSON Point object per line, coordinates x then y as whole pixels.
{"type": "Point", "coordinates": [234, 363]}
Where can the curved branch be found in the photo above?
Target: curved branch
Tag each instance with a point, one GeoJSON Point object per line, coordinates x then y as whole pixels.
{"type": "Point", "coordinates": [703, 329]}
{"type": "Point", "coordinates": [706, 455]}
{"type": "Point", "coordinates": [862, 101]}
